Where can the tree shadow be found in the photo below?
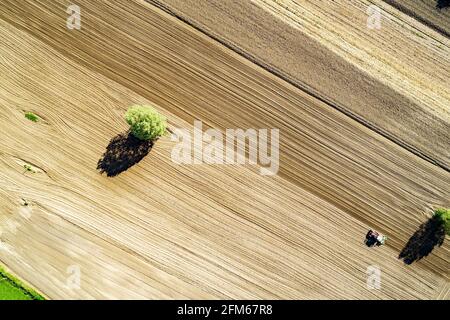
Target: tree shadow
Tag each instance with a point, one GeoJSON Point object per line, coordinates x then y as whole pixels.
{"type": "Point", "coordinates": [430, 234]}
{"type": "Point", "coordinates": [443, 4]}
{"type": "Point", "coordinates": [123, 152]}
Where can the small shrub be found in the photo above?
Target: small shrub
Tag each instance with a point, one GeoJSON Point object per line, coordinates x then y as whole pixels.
{"type": "Point", "coordinates": [31, 116]}
{"type": "Point", "coordinates": [29, 168]}
{"type": "Point", "coordinates": [444, 216]}
{"type": "Point", "coordinates": [145, 122]}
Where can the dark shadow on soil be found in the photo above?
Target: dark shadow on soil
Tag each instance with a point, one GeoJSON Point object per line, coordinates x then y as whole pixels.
{"type": "Point", "coordinates": [123, 152]}
{"type": "Point", "coordinates": [429, 235]}
{"type": "Point", "coordinates": [443, 4]}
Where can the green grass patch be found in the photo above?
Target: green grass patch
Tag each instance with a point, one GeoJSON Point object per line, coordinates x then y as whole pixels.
{"type": "Point", "coordinates": [444, 216]}
{"type": "Point", "coordinates": [12, 288]}
{"type": "Point", "coordinates": [31, 116]}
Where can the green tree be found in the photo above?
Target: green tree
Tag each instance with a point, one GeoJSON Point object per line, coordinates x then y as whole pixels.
{"type": "Point", "coordinates": [145, 122]}
{"type": "Point", "coordinates": [444, 216]}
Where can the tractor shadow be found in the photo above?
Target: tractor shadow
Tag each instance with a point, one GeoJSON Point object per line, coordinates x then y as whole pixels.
{"type": "Point", "coordinates": [430, 234]}
{"type": "Point", "coordinates": [123, 152]}
{"type": "Point", "coordinates": [441, 4]}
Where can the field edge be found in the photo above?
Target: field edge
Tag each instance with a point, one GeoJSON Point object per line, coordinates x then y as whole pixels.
{"type": "Point", "coordinates": [19, 284]}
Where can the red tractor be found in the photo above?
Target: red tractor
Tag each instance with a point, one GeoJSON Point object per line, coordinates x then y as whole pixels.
{"type": "Point", "coordinates": [374, 238]}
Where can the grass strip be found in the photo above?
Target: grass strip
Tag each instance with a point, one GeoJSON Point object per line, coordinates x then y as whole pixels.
{"type": "Point", "coordinates": [12, 288]}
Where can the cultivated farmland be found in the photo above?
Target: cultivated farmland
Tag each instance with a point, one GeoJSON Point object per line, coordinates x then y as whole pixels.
{"type": "Point", "coordinates": [364, 144]}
